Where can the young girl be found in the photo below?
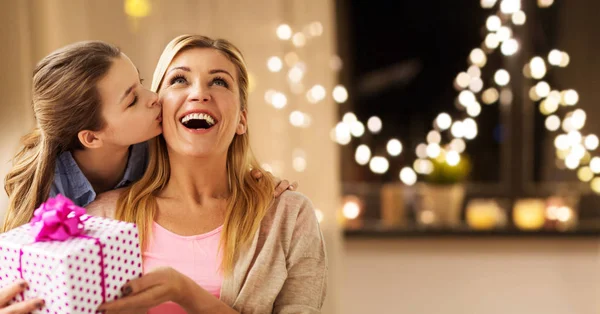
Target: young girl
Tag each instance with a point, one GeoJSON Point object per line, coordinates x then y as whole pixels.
{"type": "Point", "coordinates": [94, 117]}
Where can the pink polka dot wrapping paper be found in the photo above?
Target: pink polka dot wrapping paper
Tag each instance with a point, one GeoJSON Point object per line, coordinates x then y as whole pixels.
{"type": "Point", "coordinates": [68, 274]}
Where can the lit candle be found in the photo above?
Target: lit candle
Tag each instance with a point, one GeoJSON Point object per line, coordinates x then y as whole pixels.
{"type": "Point", "coordinates": [529, 214]}
{"type": "Point", "coordinates": [483, 214]}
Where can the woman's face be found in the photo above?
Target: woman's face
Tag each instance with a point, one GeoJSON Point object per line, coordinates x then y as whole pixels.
{"type": "Point", "coordinates": [201, 103]}
{"type": "Point", "coordinates": [131, 112]}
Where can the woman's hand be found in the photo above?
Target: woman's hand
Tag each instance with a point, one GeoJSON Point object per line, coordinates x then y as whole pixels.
{"type": "Point", "coordinates": [9, 292]}
{"type": "Point", "coordinates": [158, 286]}
{"type": "Point", "coordinates": [282, 185]}
{"type": "Point", "coordinates": [161, 285]}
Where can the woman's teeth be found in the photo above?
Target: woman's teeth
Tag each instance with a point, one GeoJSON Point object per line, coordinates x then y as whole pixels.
{"type": "Point", "coordinates": [198, 121]}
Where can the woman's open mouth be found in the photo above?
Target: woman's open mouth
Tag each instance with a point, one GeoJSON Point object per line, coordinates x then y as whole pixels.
{"type": "Point", "coordinates": [198, 121]}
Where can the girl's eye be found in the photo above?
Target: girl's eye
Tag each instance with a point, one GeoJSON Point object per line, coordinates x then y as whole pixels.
{"type": "Point", "coordinates": [135, 99]}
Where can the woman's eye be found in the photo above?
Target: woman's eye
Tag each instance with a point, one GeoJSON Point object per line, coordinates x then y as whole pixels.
{"type": "Point", "coordinates": [220, 82]}
{"type": "Point", "coordinates": [178, 80]}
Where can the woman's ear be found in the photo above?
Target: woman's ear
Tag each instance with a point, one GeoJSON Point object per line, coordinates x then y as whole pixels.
{"type": "Point", "coordinates": [242, 124]}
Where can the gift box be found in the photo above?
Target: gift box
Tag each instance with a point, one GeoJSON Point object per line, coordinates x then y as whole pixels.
{"type": "Point", "coordinates": [74, 261]}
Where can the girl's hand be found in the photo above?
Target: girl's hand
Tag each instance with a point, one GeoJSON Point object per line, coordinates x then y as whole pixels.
{"type": "Point", "coordinates": [9, 292]}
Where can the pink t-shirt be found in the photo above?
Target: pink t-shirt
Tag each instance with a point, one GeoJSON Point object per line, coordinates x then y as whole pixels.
{"type": "Point", "coordinates": [194, 256]}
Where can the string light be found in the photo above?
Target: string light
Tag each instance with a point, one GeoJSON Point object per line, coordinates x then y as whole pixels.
{"type": "Point", "coordinates": [476, 85]}
{"type": "Point", "coordinates": [595, 165]}
{"type": "Point", "coordinates": [315, 29]}
{"type": "Point", "coordinates": [408, 176]}
{"type": "Point", "coordinates": [487, 4]}
{"type": "Point", "coordinates": [571, 97]}
{"type": "Point", "coordinates": [463, 79]}
{"type": "Point", "coordinates": [434, 137]}
{"type": "Point", "coordinates": [443, 121]}
{"type": "Point", "coordinates": [474, 109]}
{"type": "Point", "coordinates": [349, 117]}
{"type": "Point", "coordinates": [478, 57]}
{"type": "Point", "coordinates": [502, 77]}
{"type": "Point", "coordinates": [299, 119]}
{"type": "Point", "coordinates": [509, 47]}
{"type": "Point", "coordinates": [357, 129]}
{"type": "Point", "coordinates": [458, 145]}
{"type": "Point", "coordinates": [374, 124]}
{"type": "Point", "coordinates": [291, 58]}
{"type": "Point", "coordinates": [555, 57]}
{"type": "Point", "coordinates": [542, 89]}
{"type": "Point", "coordinates": [510, 6]}
{"type": "Point", "coordinates": [564, 61]}
{"type": "Point", "coordinates": [299, 40]}
{"type": "Point", "coordinates": [578, 118]}
{"type": "Point", "coordinates": [595, 185]}
{"type": "Point", "coordinates": [504, 33]}
{"type": "Point", "coordinates": [538, 68]}
{"type": "Point", "coordinates": [342, 133]}
{"type": "Point", "coordinates": [317, 93]}
{"type": "Point", "coordinates": [274, 64]}
{"type": "Point", "coordinates": [340, 94]}
{"type": "Point", "coordinates": [493, 23]}
{"type": "Point", "coordinates": [466, 98]}
{"type": "Point", "coordinates": [423, 166]}
{"type": "Point", "coordinates": [585, 174]}
{"type": "Point", "coordinates": [474, 71]}
{"type": "Point", "coordinates": [519, 18]}
{"type": "Point", "coordinates": [545, 3]}
{"type": "Point", "coordinates": [492, 41]}
{"type": "Point", "coordinates": [379, 165]}
{"type": "Point", "coordinates": [469, 128]}
{"type": "Point", "coordinates": [351, 208]}
{"type": "Point", "coordinates": [552, 123]}
{"type": "Point", "coordinates": [591, 142]}
{"type": "Point", "coordinates": [279, 100]}
{"type": "Point", "coordinates": [421, 150]}
{"type": "Point", "coordinates": [362, 155]}
{"type": "Point", "coordinates": [299, 160]}
{"type": "Point", "coordinates": [433, 150]}
{"type": "Point", "coordinates": [490, 96]}
{"type": "Point", "coordinates": [394, 147]}
{"type": "Point", "coordinates": [452, 158]}
{"type": "Point", "coordinates": [457, 129]}
{"type": "Point", "coordinates": [295, 74]}
{"type": "Point", "coordinates": [284, 32]}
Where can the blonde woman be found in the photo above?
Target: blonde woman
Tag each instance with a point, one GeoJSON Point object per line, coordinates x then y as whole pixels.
{"type": "Point", "coordinates": [94, 117]}
{"type": "Point", "coordinates": [215, 240]}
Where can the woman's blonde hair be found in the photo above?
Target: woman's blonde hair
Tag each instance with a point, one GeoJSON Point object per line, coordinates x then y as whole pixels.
{"type": "Point", "coordinates": [65, 101]}
{"type": "Point", "coordinates": [249, 198]}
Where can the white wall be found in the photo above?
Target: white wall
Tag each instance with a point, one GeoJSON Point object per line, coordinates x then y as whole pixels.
{"type": "Point", "coordinates": [471, 276]}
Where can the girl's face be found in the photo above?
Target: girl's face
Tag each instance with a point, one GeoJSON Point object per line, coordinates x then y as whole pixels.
{"type": "Point", "coordinates": [131, 112]}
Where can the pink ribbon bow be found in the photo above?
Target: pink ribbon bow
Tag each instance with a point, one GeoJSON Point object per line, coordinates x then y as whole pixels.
{"type": "Point", "coordinates": [57, 220]}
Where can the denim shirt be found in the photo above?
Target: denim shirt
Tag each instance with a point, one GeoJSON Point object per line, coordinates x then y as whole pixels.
{"type": "Point", "coordinates": [70, 181]}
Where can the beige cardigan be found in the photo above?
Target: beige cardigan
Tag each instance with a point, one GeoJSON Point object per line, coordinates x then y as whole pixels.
{"type": "Point", "coordinates": [285, 268]}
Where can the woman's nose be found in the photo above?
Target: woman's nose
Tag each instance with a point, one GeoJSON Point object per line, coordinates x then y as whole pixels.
{"type": "Point", "coordinates": [200, 94]}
